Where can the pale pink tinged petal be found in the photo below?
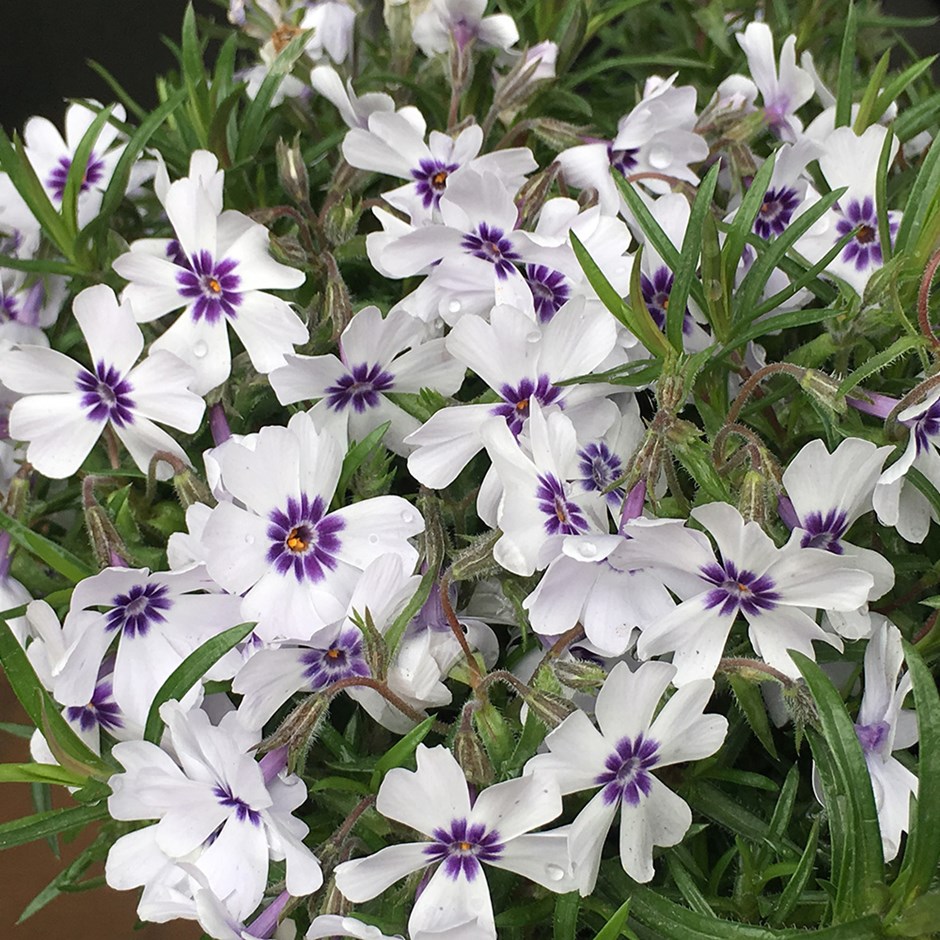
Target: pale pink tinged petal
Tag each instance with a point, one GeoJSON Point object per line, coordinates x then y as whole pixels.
{"type": "Point", "coordinates": [143, 439]}
{"type": "Point", "coordinates": [236, 544]}
{"type": "Point", "coordinates": [135, 860]}
{"type": "Point", "coordinates": [160, 392]}
{"type": "Point", "coordinates": [268, 329]}
{"type": "Point", "coordinates": [264, 478]}
{"type": "Point", "coordinates": [682, 731]}
{"type": "Point", "coordinates": [541, 857]}
{"type": "Point", "coordinates": [153, 289]}
{"type": "Point", "coordinates": [305, 378]}
{"type": "Point", "coordinates": [75, 680]}
{"type": "Point", "coordinates": [811, 577]}
{"type": "Point", "coordinates": [446, 443]}
{"type": "Point", "coordinates": [60, 435]}
{"type": "Point", "coordinates": [193, 216]}
{"type": "Point", "coordinates": [247, 242]}
{"type": "Point", "coordinates": [371, 338]}
{"type": "Point", "coordinates": [35, 369]}
{"type": "Point", "coordinates": [236, 865]}
{"type": "Point", "coordinates": [188, 824]}
{"type": "Point", "coordinates": [575, 341]}
{"type": "Point", "coordinates": [518, 805]}
{"type": "Point", "coordinates": [365, 878]}
{"type": "Point", "coordinates": [203, 346]}
{"type": "Point", "coordinates": [429, 797]}
{"type": "Point", "coordinates": [457, 909]}
{"type": "Point", "coordinates": [109, 329]}
{"type": "Point", "coordinates": [626, 703]}
{"type": "Point", "coordinates": [428, 366]}
{"type": "Point", "coordinates": [660, 818]}
{"type": "Point", "coordinates": [413, 252]}
{"type": "Point", "coordinates": [586, 839]}
{"type": "Point", "coordinates": [500, 351]}
{"type": "Point", "coordinates": [578, 754]}
{"type": "Point", "coordinates": [376, 526]}
{"type": "Point", "coordinates": [785, 628]}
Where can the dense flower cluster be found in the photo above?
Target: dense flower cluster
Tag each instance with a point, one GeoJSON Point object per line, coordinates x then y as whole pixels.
{"type": "Point", "coordinates": [505, 431]}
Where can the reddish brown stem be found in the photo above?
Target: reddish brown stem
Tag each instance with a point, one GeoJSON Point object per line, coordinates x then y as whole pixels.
{"type": "Point", "coordinates": [923, 299]}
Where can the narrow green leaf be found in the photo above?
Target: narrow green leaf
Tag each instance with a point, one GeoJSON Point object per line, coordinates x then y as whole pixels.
{"type": "Point", "coordinates": [896, 87]}
{"type": "Point", "coordinates": [394, 633]}
{"type": "Point", "coordinates": [783, 811]}
{"type": "Point", "coordinates": [565, 919]}
{"type": "Point", "coordinates": [355, 457]}
{"type": "Point", "coordinates": [880, 361]}
{"type": "Point", "coordinates": [194, 72]}
{"type": "Point", "coordinates": [56, 557]}
{"type": "Point", "coordinates": [400, 752]}
{"type": "Point", "coordinates": [774, 324]}
{"type": "Point", "coordinates": [41, 825]}
{"type": "Point", "coordinates": [926, 487]}
{"type": "Point", "coordinates": [40, 773]}
{"type": "Point", "coordinates": [636, 319]}
{"type": "Point", "coordinates": [857, 859]}
{"type": "Point", "coordinates": [79, 169]}
{"type": "Point", "coordinates": [791, 894]}
{"type": "Point", "coordinates": [689, 259]}
{"type": "Point", "coordinates": [921, 201]}
{"type": "Point", "coordinates": [846, 80]}
{"type": "Point", "coordinates": [881, 197]}
{"type": "Point", "coordinates": [690, 891]}
{"type": "Point", "coordinates": [189, 672]}
{"type": "Point", "coordinates": [742, 225]}
{"type": "Point", "coordinates": [40, 266]}
{"type": "Point", "coordinates": [727, 812]}
{"type": "Point", "coordinates": [18, 731]}
{"type": "Point", "coordinates": [864, 116]}
{"type": "Point", "coordinates": [613, 929]}
{"type": "Point", "coordinates": [920, 919]}
{"type": "Point", "coordinates": [917, 117]}
{"type": "Point", "coordinates": [748, 698]}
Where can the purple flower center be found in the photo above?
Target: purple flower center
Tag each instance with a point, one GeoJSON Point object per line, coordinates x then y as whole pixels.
{"type": "Point", "coordinates": [303, 539]}
{"type": "Point", "coordinates": [491, 244]}
{"type": "Point", "coordinates": [211, 286]}
{"type": "Point", "coordinates": [563, 516]}
{"type": "Point", "coordinates": [738, 590]}
{"type": "Point", "coordinates": [549, 290]}
{"type": "Point", "coordinates": [865, 248]}
{"type": "Point", "coordinates": [431, 180]}
{"type": "Point", "coordinates": [8, 307]}
{"type": "Point", "coordinates": [102, 710]}
{"type": "Point", "coordinates": [599, 468]}
{"type": "Point", "coordinates": [515, 406]}
{"type": "Point", "coordinates": [872, 736]}
{"type": "Point", "coordinates": [142, 607]}
{"type": "Point", "coordinates": [925, 427]}
{"type": "Point", "coordinates": [359, 388]}
{"type": "Point", "coordinates": [623, 160]}
{"type": "Point", "coordinates": [656, 290]}
{"type": "Point", "coordinates": [342, 659]}
{"type": "Point", "coordinates": [775, 212]}
{"type": "Point", "coordinates": [462, 847]}
{"type": "Point", "coordinates": [242, 810]}
{"type": "Point", "coordinates": [627, 775]}
{"type": "Point", "coordinates": [824, 530]}
{"type": "Point", "coordinates": [57, 179]}
{"type": "Point", "coordinates": [106, 395]}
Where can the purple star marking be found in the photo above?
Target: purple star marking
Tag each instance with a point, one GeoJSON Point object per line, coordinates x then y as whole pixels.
{"type": "Point", "coordinates": [211, 286]}
{"type": "Point", "coordinates": [564, 517]}
{"type": "Point", "coordinates": [343, 659]}
{"type": "Point", "coordinates": [623, 160]}
{"type": "Point", "coordinates": [106, 395]}
{"type": "Point", "coordinates": [627, 775]}
{"type": "Point", "coordinates": [599, 468]}
{"type": "Point", "coordinates": [491, 244]}
{"type": "Point", "coordinates": [872, 736]}
{"type": "Point", "coordinates": [925, 426]}
{"type": "Point", "coordinates": [242, 810]}
{"type": "Point", "coordinates": [135, 612]}
{"type": "Point", "coordinates": [60, 174]}
{"type": "Point", "coordinates": [549, 290]}
{"type": "Point", "coordinates": [431, 180]}
{"type": "Point", "coordinates": [824, 530]}
{"type": "Point", "coordinates": [102, 710]}
{"type": "Point", "coordinates": [738, 590]}
{"type": "Point", "coordinates": [462, 847]}
{"type": "Point", "coordinates": [303, 539]}
{"type": "Point", "coordinates": [776, 211]}
{"type": "Point", "coordinates": [515, 405]}
{"type": "Point", "coordinates": [656, 292]}
{"type": "Point", "coordinates": [359, 388]}
{"type": "Point", "coordinates": [865, 248]}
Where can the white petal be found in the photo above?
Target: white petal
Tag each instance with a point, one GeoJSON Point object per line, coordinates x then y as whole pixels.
{"type": "Point", "coordinates": [578, 754]}
{"type": "Point", "coordinates": [682, 731]}
{"type": "Point", "coordinates": [586, 839]}
{"type": "Point", "coordinates": [626, 703]}
{"type": "Point", "coordinates": [268, 329]}
{"type": "Point", "coordinates": [60, 435]}
{"type": "Point", "coordinates": [161, 393]}
{"type": "Point", "coordinates": [518, 805]}
{"type": "Point", "coordinates": [541, 857]}
{"type": "Point", "coordinates": [458, 909]}
{"type": "Point", "coordinates": [365, 878]}
{"type": "Point", "coordinates": [36, 369]}
{"type": "Point", "coordinates": [660, 818]}
{"type": "Point", "coordinates": [109, 329]}
{"type": "Point", "coordinates": [376, 526]}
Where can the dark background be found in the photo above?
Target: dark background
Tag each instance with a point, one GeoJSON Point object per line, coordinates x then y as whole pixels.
{"type": "Point", "coordinates": [45, 47]}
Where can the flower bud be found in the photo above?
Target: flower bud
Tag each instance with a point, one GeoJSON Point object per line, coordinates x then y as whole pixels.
{"type": "Point", "coordinates": [337, 304]}
{"type": "Point", "coordinates": [549, 708]}
{"type": "Point", "coordinates": [298, 731]}
{"type": "Point", "coordinates": [579, 675]}
{"type": "Point", "coordinates": [375, 647]}
{"type": "Point", "coordinates": [102, 535]}
{"type": "Point", "coordinates": [476, 560]}
{"type": "Point", "coordinates": [292, 172]}
{"type": "Point", "coordinates": [559, 135]}
{"type": "Point", "coordinates": [433, 540]}
{"type": "Point", "coordinates": [472, 756]}
{"type": "Point", "coordinates": [824, 389]}
{"type": "Point", "coordinates": [342, 220]}
{"type": "Point", "coordinates": [190, 489]}
{"type": "Point", "coordinates": [534, 192]}
{"type": "Point", "coordinates": [754, 498]}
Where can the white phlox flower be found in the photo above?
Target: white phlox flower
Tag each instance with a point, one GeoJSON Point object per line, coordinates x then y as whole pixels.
{"type": "Point", "coordinates": [621, 757]}
{"type": "Point", "coordinates": [783, 90]}
{"type": "Point", "coordinates": [826, 494]}
{"type": "Point", "coordinates": [216, 271]}
{"type": "Point", "coordinates": [656, 137]}
{"type": "Point", "coordinates": [295, 562]}
{"type": "Point", "coordinates": [66, 407]}
{"type": "Point", "coordinates": [461, 835]}
{"type": "Point", "coordinates": [377, 356]}
{"type": "Point", "coordinates": [28, 306]}
{"type": "Point", "coordinates": [521, 360]}
{"type": "Point", "coordinates": [353, 109]}
{"type": "Point", "coordinates": [462, 22]}
{"type": "Point", "coordinates": [771, 587]}
{"type": "Point", "coordinates": [153, 619]}
{"type": "Point", "coordinates": [217, 809]}
{"type": "Point", "coordinates": [898, 502]}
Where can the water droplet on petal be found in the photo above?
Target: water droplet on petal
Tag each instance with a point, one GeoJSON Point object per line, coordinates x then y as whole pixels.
{"type": "Point", "coordinates": [587, 549]}
{"type": "Point", "coordinates": [407, 517]}
{"type": "Point", "coordinates": [373, 539]}
{"type": "Point", "coordinates": [555, 872]}
{"type": "Point", "coordinates": [200, 349]}
{"type": "Point", "coordinates": [660, 156]}
{"type": "Point", "coordinates": [249, 540]}
{"type": "Point", "coordinates": [533, 337]}
{"type": "Point", "coordinates": [454, 306]}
